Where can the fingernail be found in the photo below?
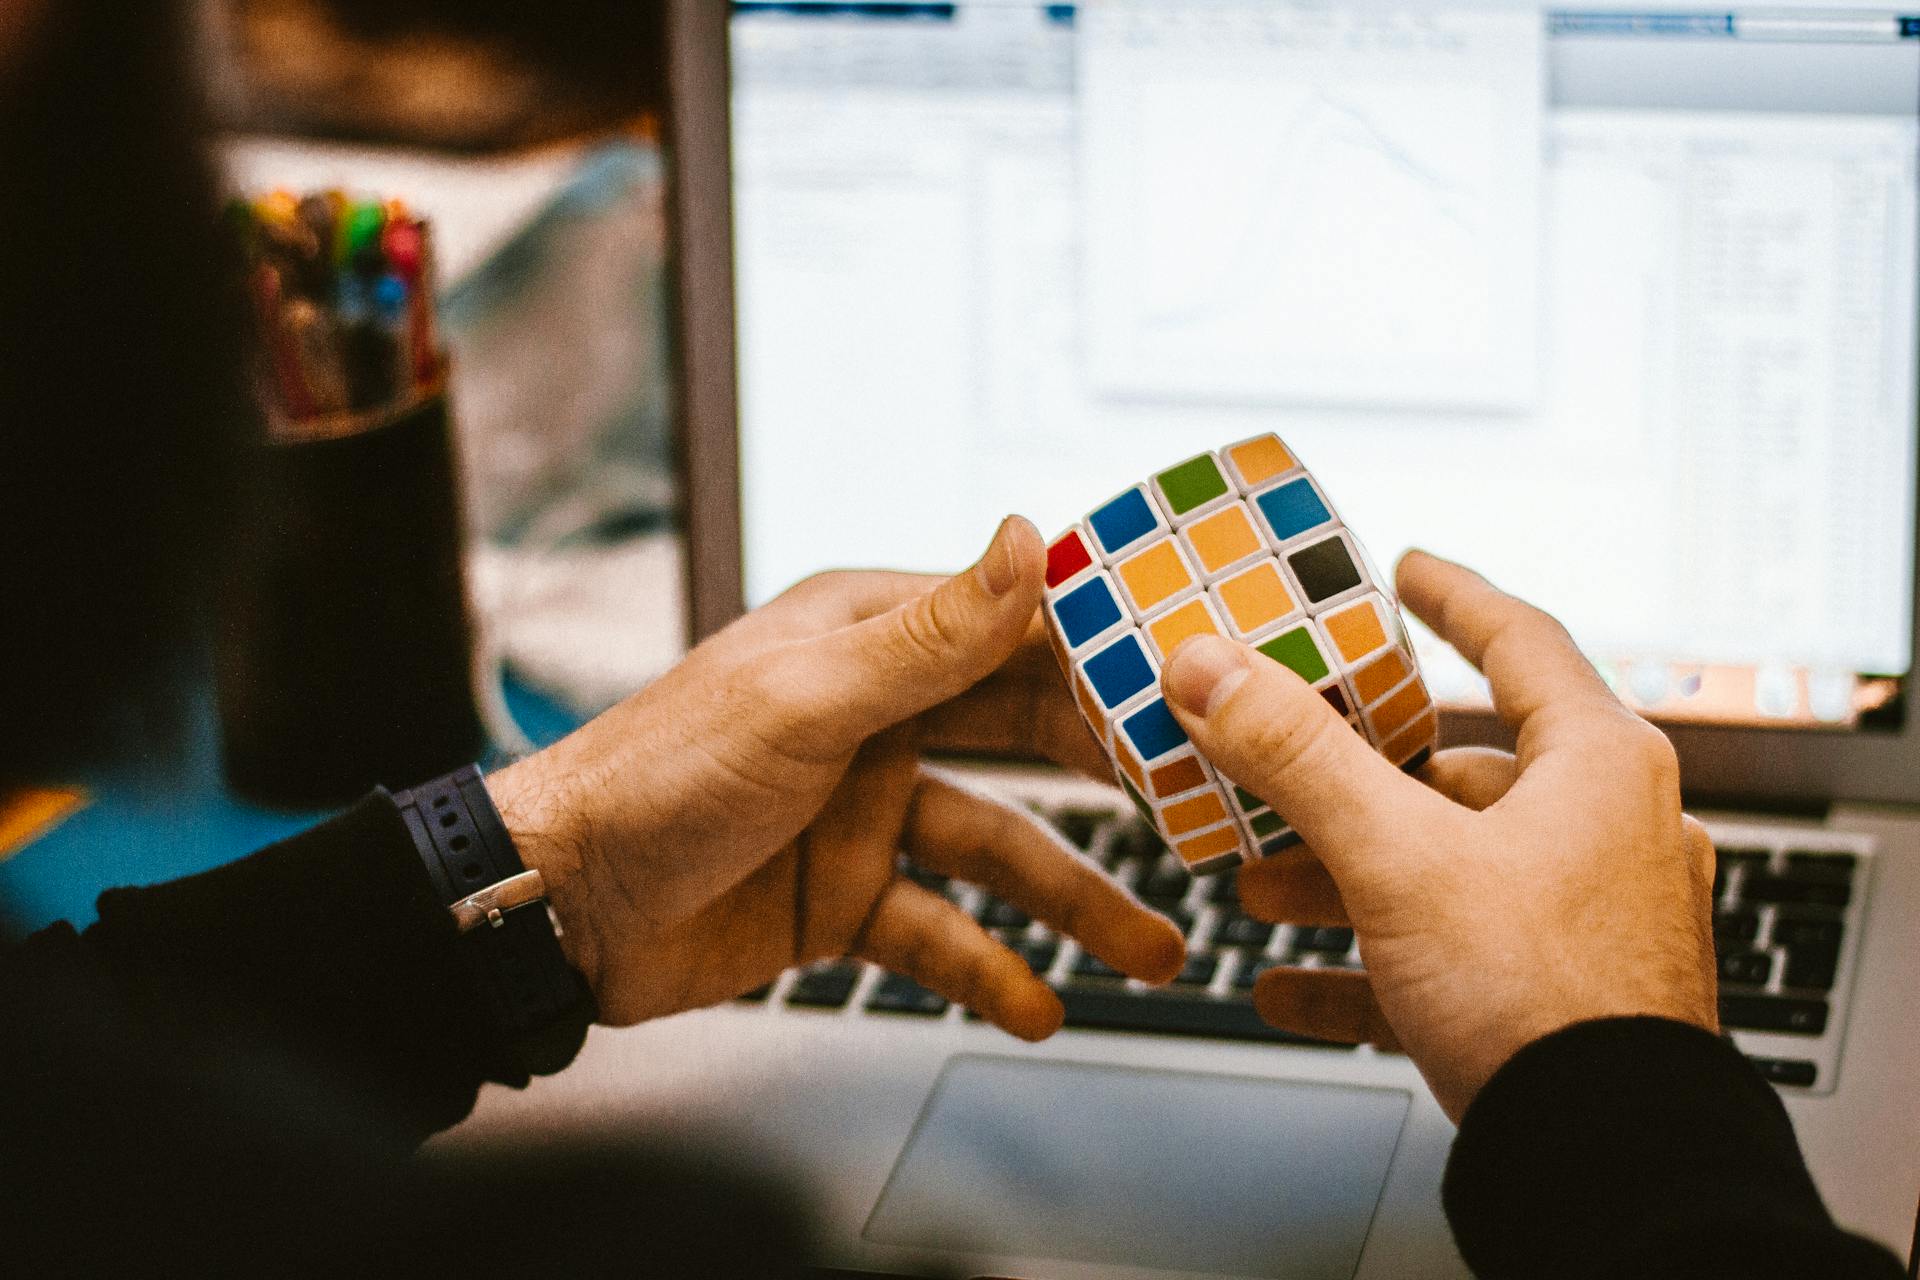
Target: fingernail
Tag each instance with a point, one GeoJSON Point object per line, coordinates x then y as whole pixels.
{"type": "Point", "coordinates": [1204, 672]}
{"type": "Point", "coordinates": [996, 567]}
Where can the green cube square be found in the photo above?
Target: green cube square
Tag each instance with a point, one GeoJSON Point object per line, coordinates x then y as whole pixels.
{"type": "Point", "coordinates": [1248, 801]}
{"type": "Point", "coordinates": [1296, 649]}
{"type": "Point", "coordinates": [1193, 483]}
{"type": "Point", "coordinates": [1266, 824]}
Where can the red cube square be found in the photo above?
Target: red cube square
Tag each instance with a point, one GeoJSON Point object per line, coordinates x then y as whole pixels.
{"type": "Point", "coordinates": [1067, 557]}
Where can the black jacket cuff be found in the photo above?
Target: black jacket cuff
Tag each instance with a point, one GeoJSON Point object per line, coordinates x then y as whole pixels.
{"type": "Point", "coordinates": [1644, 1147]}
{"type": "Point", "coordinates": [331, 945]}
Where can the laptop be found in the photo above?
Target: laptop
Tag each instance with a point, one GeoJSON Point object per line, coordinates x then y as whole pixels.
{"type": "Point", "coordinates": [1616, 305]}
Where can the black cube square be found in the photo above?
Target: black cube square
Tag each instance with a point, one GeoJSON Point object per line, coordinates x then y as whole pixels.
{"type": "Point", "coordinates": [1324, 569]}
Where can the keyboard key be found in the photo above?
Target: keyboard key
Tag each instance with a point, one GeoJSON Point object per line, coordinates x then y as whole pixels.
{"type": "Point", "coordinates": [1837, 865]}
{"type": "Point", "coordinates": [1812, 966]}
{"type": "Point", "coordinates": [1198, 971]}
{"type": "Point", "coordinates": [1751, 967]}
{"type": "Point", "coordinates": [1091, 966]}
{"type": "Point", "coordinates": [1251, 967]}
{"type": "Point", "coordinates": [1081, 826]}
{"type": "Point", "coordinates": [1172, 1015]}
{"type": "Point", "coordinates": [1038, 955]}
{"type": "Point", "coordinates": [927, 879]}
{"type": "Point", "coordinates": [1181, 917]}
{"type": "Point", "coordinates": [1819, 893]}
{"type": "Point", "coordinates": [1135, 840]}
{"type": "Point", "coordinates": [1168, 879]}
{"type": "Point", "coordinates": [1784, 1070]}
{"type": "Point", "coordinates": [996, 914]}
{"type": "Point", "coordinates": [1336, 942]}
{"type": "Point", "coordinates": [1224, 891]}
{"type": "Point", "coordinates": [1774, 1013]}
{"type": "Point", "coordinates": [1754, 860]}
{"type": "Point", "coordinates": [898, 993]}
{"type": "Point", "coordinates": [1242, 931]}
{"type": "Point", "coordinates": [825, 988]}
{"type": "Point", "coordinates": [1814, 873]}
{"type": "Point", "coordinates": [1795, 930]}
{"type": "Point", "coordinates": [1735, 927]}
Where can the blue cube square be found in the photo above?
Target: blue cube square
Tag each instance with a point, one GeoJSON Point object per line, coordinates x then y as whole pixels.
{"type": "Point", "coordinates": [1086, 611]}
{"type": "Point", "coordinates": [1124, 521]}
{"type": "Point", "coordinates": [1119, 671]}
{"type": "Point", "coordinates": [1292, 509]}
{"type": "Point", "coordinates": [1153, 730]}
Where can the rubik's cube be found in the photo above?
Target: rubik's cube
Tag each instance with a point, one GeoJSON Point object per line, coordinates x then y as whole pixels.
{"type": "Point", "coordinates": [1242, 543]}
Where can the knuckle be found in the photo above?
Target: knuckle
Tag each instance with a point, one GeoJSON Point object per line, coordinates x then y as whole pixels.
{"type": "Point", "coordinates": [824, 585]}
{"type": "Point", "coordinates": [1654, 753]}
{"type": "Point", "coordinates": [1547, 626]}
{"type": "Point", "coordinates": [764, 694]}
{"type": "Point", "coordinates": [1281, 744]}
{"type": "Point", "coordinates": [1520, 626]}
{"type": "Point", "coordinates": [928, 634]}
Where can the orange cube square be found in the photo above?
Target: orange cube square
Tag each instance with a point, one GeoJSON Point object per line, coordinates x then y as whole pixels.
{"type": "Point", "coordinates": [1256, 598]}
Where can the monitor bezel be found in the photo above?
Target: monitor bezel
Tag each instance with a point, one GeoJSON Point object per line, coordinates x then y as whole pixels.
{"type": "Point", "coordinates": [1769, 768]}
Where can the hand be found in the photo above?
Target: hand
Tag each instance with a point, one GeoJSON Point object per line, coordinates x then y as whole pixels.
{"type": "Point", "coordinates": [747, 811]}
{"type": "Point", "coordinates": [1510, 896]}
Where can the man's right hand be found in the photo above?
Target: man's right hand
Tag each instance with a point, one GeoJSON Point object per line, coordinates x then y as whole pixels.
{"type": "Point", "coordinates": [1509, 897]}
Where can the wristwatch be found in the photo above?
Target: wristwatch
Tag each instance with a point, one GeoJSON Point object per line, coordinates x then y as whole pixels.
{"type": "Point", "coordinates": [539, 1004]}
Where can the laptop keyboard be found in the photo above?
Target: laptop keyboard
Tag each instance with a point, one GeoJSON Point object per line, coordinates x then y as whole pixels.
{"type": "Point", "coordinates": [1784, 916]}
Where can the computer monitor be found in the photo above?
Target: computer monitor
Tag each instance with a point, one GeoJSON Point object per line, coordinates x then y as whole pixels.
{"type": "Point", "coordinates": [1617, 306]}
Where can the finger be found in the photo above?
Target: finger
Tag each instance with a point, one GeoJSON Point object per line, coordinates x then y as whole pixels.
{"type": "Point", "coordinates": [1473, 776]}
{"type": "Point", "coordinates": [1262, 726]}
{"type": "Point", "coordinates": [1292, 887]}
{"type": "Point", "coordinates": [1015, 857]}
{"type": "Point", "coordinates": [837, 877]}
{"type": "Point", "coordinates": [1022, 709]}
{"type": "Point", "coordinates": [916, 932]}
{"type": "Point", "coordinates": [845, 685]}
{"type": "Point", "coordinates": [832, 599]}
{"type": "Point", "coordinates": [1543, 686]}
{"type": "Point", "coordinates": [1328, 1004]}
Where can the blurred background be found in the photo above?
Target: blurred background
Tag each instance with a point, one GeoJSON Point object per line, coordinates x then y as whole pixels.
{"type": "Point", "coordinates": [527, 137]}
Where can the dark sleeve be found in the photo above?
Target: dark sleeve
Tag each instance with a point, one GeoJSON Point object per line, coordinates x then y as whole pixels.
{"type": "Point", "coordinates": [328, 950]}
{"type": "Point", "coordinates": [1640, 1147]}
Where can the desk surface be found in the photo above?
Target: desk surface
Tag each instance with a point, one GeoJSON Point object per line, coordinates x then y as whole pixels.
{"type": "Point", "coordinates": [172, 815]}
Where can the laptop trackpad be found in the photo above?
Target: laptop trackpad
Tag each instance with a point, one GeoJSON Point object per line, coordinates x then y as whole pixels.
{"type": "Point", "coordinates": [1157, 1168]}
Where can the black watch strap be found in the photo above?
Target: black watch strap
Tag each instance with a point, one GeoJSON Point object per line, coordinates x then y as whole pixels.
{"type": "Point", "coordinates": [539, 1004]}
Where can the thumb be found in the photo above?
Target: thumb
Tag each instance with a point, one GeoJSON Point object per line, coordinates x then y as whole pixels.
{"type": "Point", "coordinates": [850, 684]}
{"type": "Point", "coordinates": [1265, 728]}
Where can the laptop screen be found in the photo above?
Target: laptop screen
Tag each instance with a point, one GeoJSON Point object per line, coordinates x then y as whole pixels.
{"type": "Point", "coordinates": [1616, 306]}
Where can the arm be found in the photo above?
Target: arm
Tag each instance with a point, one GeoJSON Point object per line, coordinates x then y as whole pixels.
{"type": "Point", "coordinates": [328, 947]}
{"type": "Point", "coordinates": [1537, 935]}
{"type": "Point", "coordinates": [748, 812]}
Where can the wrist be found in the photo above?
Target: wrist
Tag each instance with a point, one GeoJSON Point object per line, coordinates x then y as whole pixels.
{"type": "Point", "coordinates": [534, 809]}
{"type": "Point", "coordinates": [1522, 1028]}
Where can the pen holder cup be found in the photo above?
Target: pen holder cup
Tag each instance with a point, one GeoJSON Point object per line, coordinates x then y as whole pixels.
{"type": "Point", "coordinates": [344, 649]}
